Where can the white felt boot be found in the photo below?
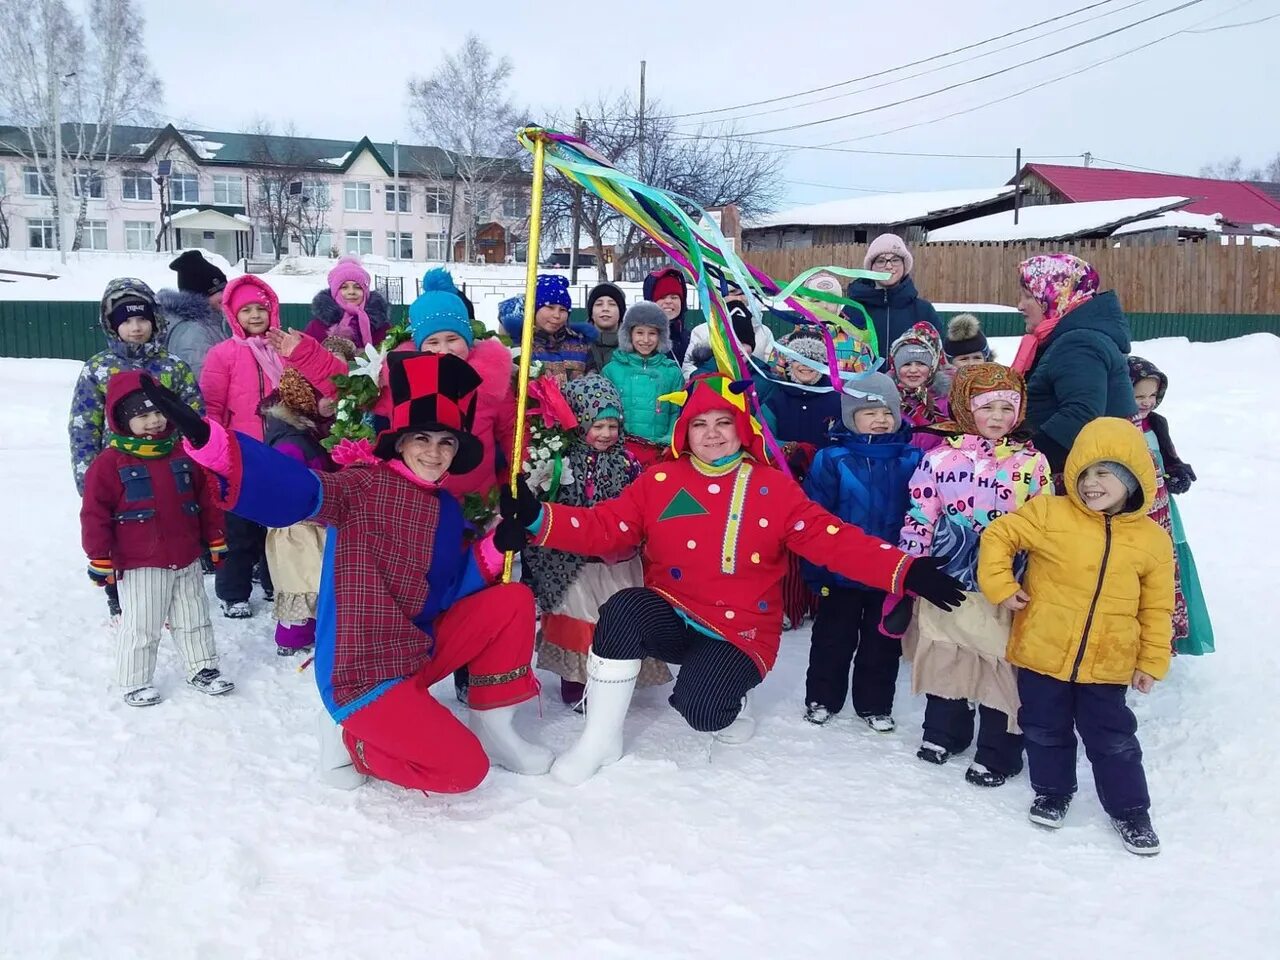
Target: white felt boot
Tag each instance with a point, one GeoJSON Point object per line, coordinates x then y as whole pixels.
{"type": "Point", "coordinates": [610, 684]}
{"type": "Point", "coordinates": [743, 727]}
{"type": "Point", "coordinates": [506, 748]}
{"type": "Point", "coordinates": [336, 767]}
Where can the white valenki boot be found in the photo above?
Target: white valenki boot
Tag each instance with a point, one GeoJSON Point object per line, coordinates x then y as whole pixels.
{"type": "Point", "coordinates": [336, 766]}
{"type": "Point", "coordinates": [610, 684]}
{"type": "Point", "coordinates": [743, 727]}
{"type": "Point", "coordinates": [506, 748]}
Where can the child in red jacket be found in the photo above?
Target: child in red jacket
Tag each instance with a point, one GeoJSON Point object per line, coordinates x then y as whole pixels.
{"type": "Point", "coordinates": [146, 518]}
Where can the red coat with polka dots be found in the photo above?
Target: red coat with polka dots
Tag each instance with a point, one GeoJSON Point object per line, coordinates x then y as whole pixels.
{"type": "Point", "coordinates": [715, 544]}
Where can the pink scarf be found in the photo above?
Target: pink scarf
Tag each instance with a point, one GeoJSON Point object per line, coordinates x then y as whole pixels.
{"type": "Point", "coordinates": [1060, 282]}
{"type": "Point", "coordinates": [269, 362]}
{"type": "Point", "coordinates": [354, 324]}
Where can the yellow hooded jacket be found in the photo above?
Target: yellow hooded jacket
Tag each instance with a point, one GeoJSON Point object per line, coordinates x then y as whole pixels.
{"type": "Point", "coordinates": [1101, 586]}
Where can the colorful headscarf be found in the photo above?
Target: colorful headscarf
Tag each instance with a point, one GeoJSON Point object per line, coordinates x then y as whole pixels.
{"type": "Point", "coordinates": [1060, 282]}
{"type": "Point", "coordinates": [980, 380]}
{"type": "Point", "coordinates": [1140, 369]}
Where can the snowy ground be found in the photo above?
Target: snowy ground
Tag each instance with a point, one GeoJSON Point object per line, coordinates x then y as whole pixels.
{"type": "Point", "coordinates": [196, 829]}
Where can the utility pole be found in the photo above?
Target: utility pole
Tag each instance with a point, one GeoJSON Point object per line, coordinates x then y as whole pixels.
{"type": "Point", "coordinates": [395, 176]}
{"type": "Point", "coordinates": [580, 129]}
{"type": "Point", "coordinates": [640, 172]}
{"type": "Point", "coordinates": [1088, 159]}
{"type": "Point", "coordinates": [1017, 184]}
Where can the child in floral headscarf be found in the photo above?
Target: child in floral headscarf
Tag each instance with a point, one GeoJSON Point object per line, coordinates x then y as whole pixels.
{"type": "Point", "coordinates": [570, 589]}
{"type": "Point", "coordinates": [915, 360]}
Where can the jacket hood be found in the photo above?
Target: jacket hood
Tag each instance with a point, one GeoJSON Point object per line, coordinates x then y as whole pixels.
{"type": "Point", "coordinates": [1142, 369]}
{"type": "Point", "coordinates": [129, 288]}
{"type": "Point", "coordinates": [291, 421]}
{"type": "Point", "coordinates": [1111, 438]}
{"type": "Point", "coordinates": [249, 289]}
{"type": "Point", "coordinates": [118, 387]}
{"type": "Point", "coordinates": [651, 280]}
{"type": "Point", "coordinates": [1102, 314]}
{"type": "Point", "coordinates": [644, 314]}
{"type": "Point", "coordinates": [325, 309]}
{"type": "Point", "coordinates": [181, 306]}
{"type": "Point", "coordinates": [869, 295]}
{"type": "Point", "coordinates": [493, 362]}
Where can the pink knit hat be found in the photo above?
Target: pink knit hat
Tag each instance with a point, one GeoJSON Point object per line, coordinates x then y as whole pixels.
{"type": "Point", "coordinates": [889, 243]}
{"type": "Point", "coordinates": [349, 268]}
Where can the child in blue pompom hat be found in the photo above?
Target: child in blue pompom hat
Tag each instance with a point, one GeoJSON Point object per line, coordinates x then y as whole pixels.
{"type": "Point", "coordinates": [563, 349]}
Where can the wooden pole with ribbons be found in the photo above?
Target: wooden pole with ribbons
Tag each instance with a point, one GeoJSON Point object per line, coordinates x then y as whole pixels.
{"type": "Point", "coordinates": [536, 135]}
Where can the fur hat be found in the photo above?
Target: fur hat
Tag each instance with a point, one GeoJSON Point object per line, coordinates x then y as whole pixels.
{"type": "Point", "coordinates": [197, 275]}
{"type": "Point", "coordinates": [341, 347]}
{"type": "Point", "coordinates": [439, 309]}
{"type": "Point", "coordinates": [808, 343]}
{"type": "Point", "coordinates": [432, 391]}
{"type": "Point", "coordinates": [593, 398]}
{"type": "Point", "coordinates": [645, 314]}
{"type": "Point", "coordinates": [609, 290]}
{"type": "Point", "coordinates": [965, 336]}
{"type": "Point", "coordinates": [296, 393]}
{"type": "Point", "coordinates": [552, 291]}
{"type": "Point", "coordinates": [869, 392]}
{"type": "Point", "coordinates": [889, 243]}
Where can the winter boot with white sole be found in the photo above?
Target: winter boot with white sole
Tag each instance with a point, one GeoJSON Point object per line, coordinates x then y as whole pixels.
{"type": "Point", "coordinates": [337, 769]}
{"type": "Point", "coordinates": [743, 727]}
{"type": "Point", "coordinates": [610, 684]}
{"type": "Point", "coordinates": [504, 747]}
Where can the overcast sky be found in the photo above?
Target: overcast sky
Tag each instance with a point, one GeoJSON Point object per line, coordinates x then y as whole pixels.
{"type": "Point", "coordinates": [338, 69]}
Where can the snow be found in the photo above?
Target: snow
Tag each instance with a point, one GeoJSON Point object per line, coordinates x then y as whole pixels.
{"type": "Point", "coordinates": [883, 208]}
{"type": "Point", "coordinates": [197, 829]}
{"type": "Point", "coordinates": [86, 273]}
{"type": "Point", "coordinates": [1181, 219]}
{"type": "Point", "coordinates": [974, 308]}
{"type": "Point", "coordinates": [1056, 221]}
{"type": "Point", "coordinates": [336, 161]}
{"type": "Point", "coordinates": [204, 149]}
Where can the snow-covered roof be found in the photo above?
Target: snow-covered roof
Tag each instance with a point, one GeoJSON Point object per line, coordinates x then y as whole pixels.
{"type": "Point", "coordinates": [336, 161]}
{"type": "Point", "coordinates": [1060, 221]}
{"type": "Point", "coordinates": [886, 208]}
{"type": "Point", "coordinates": [204, 149]}
{"type": "Point", "coordinates": [1181, 219]}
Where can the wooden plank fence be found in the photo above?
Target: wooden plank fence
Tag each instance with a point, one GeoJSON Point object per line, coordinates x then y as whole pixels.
{"type": "Point", "coordinates": [1209, 278]}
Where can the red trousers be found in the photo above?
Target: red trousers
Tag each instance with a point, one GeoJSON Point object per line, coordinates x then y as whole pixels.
{"type": "Point", "coordinates": [408, 737]}
{"type": "Point", "coordinates": [798, 601]}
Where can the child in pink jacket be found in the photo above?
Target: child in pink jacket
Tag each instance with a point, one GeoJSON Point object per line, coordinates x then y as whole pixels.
{"type": "Point", "coordinates": [238, 374]}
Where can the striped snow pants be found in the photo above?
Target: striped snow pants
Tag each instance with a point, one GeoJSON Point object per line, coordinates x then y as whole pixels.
{"type": "Point", "coordinates": [714, 674]}
{"type": "Point", "coordinates": [149, 596]}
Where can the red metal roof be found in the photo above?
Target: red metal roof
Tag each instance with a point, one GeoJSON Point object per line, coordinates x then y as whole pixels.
{"type": "Point", "coordinates": [1235, 200]}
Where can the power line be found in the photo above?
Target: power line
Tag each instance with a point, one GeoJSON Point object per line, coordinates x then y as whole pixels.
{"type": "Point", "coordinates": [905, 66]}
{"type": "Point", "coordinates": [833, 186]}
{"type": "Point", "coordinates": [987, 76]}
{"type": "Point", "coordinates": [1233, 26]}
{"type": "Point", "coordinates": [931, 70]}
{"type": "Point", "coordinates": [1134, 166]}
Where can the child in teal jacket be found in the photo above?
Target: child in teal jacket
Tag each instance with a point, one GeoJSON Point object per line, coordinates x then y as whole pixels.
{"type": "Point", "coordinates": [643, 371]}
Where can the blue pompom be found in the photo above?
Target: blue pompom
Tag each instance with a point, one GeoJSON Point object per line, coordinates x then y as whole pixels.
{"type": "Point", "coordinates": [438, 278]}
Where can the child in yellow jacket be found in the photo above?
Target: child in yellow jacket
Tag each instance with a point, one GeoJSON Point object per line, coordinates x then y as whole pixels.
{"type": "Point", "coordinates": [1092, 617]}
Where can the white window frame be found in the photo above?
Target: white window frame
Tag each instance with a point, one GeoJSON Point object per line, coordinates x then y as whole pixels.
{"type": "Point", "coordinates": [231, 187]}
{"type": "Point", "coordinates": [94, 230]}
{"type": "Point", "coordinates": [403, 192]}
{"type": "Point", "coordinates": [29, 175]}
{"type": "Point", "coordinates": [358, 242]}
{"type": "Point", "coordinates": [437, 247]}
{"type": "Point", "coordinates": [483, 204]}
{"type": "Point", "coordinates": [437, 200]}
{"type": "Point", "coordinates": [266, 243]}
{"type": "Point", "coordinates": [186, 178]}
{"type": "Point", "coordinates": [357, 196]}
{"type": "Point", "coordinates": [139, 235]}
{"type": "Point", "coordinates": [514, 204]}
{"type": "Point", "coordinates": [403, 250]}
{"type": "Point", "coordinates": [48, 238]}
{"type": "Point", "coordinates": [314, 187]}
{"type": "Point", "coordinates": [136, 178]}
{"type": "Point", "coordinates": [95, 178]}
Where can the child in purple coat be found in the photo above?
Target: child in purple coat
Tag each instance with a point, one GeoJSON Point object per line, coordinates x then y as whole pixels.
{"type": "Point", "coordinates": [294, 424]}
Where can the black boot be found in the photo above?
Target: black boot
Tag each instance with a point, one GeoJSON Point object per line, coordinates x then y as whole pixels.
{"type": "Point", "coordinates": [980, 776]}
{"type": "Point", "coordinates": [1137, 834]}
{"type": "Point", "coordinates": [461, 684]}
{"type": "Point", "coordinates": [932, 753]}
{"type": "Point", "coordinates": [1049, 811]}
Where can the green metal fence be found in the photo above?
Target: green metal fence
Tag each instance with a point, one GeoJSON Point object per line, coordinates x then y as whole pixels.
{"type": "Point", "coordinates": [69, 330]}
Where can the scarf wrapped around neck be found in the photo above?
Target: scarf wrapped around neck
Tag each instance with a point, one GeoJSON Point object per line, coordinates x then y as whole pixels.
{"type": "Point", "coordinates": [269, 362]}
{"type": "Point", "coordinates": [1060, 283]}
{"type": "Point", "coordinates": [354, 324]}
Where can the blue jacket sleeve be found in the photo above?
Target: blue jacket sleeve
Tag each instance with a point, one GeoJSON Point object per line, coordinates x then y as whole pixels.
{"type": "Point", "coordinates": [85, 424]}
{"type": "Point", "coordinates": [270, 488]}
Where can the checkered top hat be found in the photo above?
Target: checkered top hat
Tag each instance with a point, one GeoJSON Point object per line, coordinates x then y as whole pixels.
{"type": "Point", "coordinates": [432, 391]}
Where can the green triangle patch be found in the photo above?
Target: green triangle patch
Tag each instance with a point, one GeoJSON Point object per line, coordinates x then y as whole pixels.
{"type": "Point", "coordinates": [683, 505]}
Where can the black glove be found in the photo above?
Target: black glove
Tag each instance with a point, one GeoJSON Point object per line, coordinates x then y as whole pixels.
{"type": "Point", "coordinates": [177, 412]}
{"type": "Point", "coordinates": [510, 535]}
{"type": "Point", "coordinates": [1181, 476]}
{"type": "Point", "coordinates": [928, 582]}
{"type": "Point", "coordinates": [524, 506]}
{"type": "Point", "coordinates": [896, 616]}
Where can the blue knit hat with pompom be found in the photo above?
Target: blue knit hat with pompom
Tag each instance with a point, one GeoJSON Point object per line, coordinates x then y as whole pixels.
{"type": "Point", "coordinates": [439, 308]}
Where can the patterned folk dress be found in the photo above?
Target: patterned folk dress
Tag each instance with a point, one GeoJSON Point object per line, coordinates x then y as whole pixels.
{"type": "Point", "coordinates": [1161, 513]}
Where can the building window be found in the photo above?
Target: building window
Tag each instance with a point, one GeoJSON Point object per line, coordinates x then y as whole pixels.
{"type": "Point", "coordinates": [437, 200]}
{"type": "Point", "coordinates": [135, 185]}
{"type": "Point", "coordinates": [360, 242]}
{"type": "Point", "coordinates": [94, 236]}
{"type": "Point", "coordinates": [266, 243]}
{"type": "Point", "coordinates": [482, 206]}
{"type": "Point", "coordinates": [356, 197]}
{"type": "Point", "coordinates": [40, 233]}
{"type": "Point", "coordinates": [88, 182]}
{"type": "Point", "coordinates": [317, 192]}
{"type": "Point", "coordinates": [228, 190]}
{"type": "Point", "coordinates": [32, 184]}
{"type": "Point", "coordinates": [437, 245]}
{"type": "Point", "coordinates": [402, 250]}
{"type": "Point", "coordinates": [400, 192]}
{"type": "Point", "coordinates": [324, 243]}
{"type": "Point", "coordinates": [184, 188]}
{"type": "Point", "coordinates": [139, 235]}
{"type": "Point", "coordinates": [513, 203]}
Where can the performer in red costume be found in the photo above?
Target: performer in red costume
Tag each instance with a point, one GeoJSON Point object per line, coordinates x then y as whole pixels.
{"type": "Point", "coordinates": [715, 526]}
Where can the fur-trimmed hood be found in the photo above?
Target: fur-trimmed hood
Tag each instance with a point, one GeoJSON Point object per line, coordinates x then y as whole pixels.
{"type": "Point", "coordinates": [325, 309]}
{"type": "Point", "coordinates": [291, 418]}
{"type": "Point", "coordinates": [493, 362]}
{"type": "Point", "coordinates": [182, 306]}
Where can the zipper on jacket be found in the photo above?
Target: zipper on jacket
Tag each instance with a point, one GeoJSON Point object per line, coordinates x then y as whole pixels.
{"type": "Point", "coordinates": [1093, 606]}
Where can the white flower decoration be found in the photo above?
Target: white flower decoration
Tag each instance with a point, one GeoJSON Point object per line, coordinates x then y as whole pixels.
{"type": "Point", "coordinates": [369, 365]}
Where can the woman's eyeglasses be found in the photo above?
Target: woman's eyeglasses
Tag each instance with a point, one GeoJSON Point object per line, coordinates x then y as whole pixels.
{"type": "Point", "coordinates": [888, 260]}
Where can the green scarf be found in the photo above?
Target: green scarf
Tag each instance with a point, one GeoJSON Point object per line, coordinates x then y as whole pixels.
{"type": "Point", "coordinates": [144, 447]}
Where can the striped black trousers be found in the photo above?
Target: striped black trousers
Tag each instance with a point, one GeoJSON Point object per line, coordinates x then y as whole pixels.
{"type": "Point", "coordinates": [714, 674]}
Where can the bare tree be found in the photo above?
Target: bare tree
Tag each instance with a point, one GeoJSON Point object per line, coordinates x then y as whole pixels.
{"type": "Point", "coordinates": [67, 81]}
{"type": "Point", "coordinates": [4, 224]}
{"type": "Point", "coordinates": [1232, 168]}
{"type": "Point", "coordinates": [464, 107]}
{"type": "Point", "coordinates": [312, 215]}
{"type": "Point", "coordinates": [710, 171]}
{"type": "Point", "coordinates": [278, 191]}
